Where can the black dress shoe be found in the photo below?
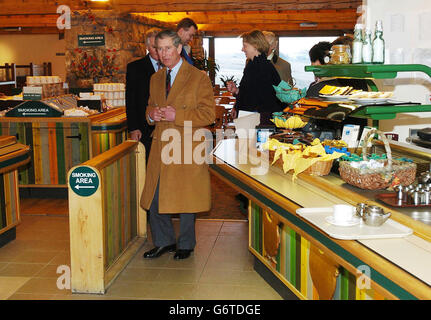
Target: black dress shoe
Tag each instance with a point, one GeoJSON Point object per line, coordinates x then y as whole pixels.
{"type": "Point", "coordinates": [158, 251]}
{"type": "Point", "coordinates": [182, 254]}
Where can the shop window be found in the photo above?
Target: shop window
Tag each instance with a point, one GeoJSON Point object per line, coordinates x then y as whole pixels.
{"type": "Point", "coordinates": [295, 51]}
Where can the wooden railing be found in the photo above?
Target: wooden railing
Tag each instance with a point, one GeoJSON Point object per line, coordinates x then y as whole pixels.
{"type": "Point", "coordinates": [107, 225]}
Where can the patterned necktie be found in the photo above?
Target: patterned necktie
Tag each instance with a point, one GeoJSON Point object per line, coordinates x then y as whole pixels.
{"type": "Point", "coordinates": [159, 66]}
{"type": "Point", "coordinates": [168, 82]}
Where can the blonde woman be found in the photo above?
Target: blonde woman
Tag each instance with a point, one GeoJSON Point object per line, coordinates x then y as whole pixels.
{"type": "Point", "coordinates": [255, 92]}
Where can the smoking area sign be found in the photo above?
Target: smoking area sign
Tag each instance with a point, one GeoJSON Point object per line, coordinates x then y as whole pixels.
{"type": "Point", "coordinates": [84, 181]}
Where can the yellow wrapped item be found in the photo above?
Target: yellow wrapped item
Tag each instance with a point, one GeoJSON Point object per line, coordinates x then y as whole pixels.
{"type": "Point", "coordinates": [296, 158]}
{"type": "Point", "coordinates": [293, 122]}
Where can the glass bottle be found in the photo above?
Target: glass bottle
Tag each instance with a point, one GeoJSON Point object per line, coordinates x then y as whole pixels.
{"type": "Point", "coordinates": [367, 49]}
{"type": "Point", "coordinates": [357, 44]}
{"type": "Point", "coordinates": [379, 44]}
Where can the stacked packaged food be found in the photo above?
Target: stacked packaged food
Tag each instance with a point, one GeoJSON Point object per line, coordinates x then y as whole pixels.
{"type": "Point", "coordinates": [52, 86]}
{"type": "Point", "coordinates": [114, 93]}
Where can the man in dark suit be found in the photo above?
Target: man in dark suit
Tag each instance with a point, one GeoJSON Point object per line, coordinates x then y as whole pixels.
{"type": "Point", "coordinates": [186, 29]}
{"type": "Point", "coordinates": [138, 77]}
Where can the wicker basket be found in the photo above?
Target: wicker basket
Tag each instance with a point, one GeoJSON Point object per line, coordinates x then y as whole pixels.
{"type": "Point", "coordinates": [381, 178]}
{"type": "Point", "coordinates": [319, 168]}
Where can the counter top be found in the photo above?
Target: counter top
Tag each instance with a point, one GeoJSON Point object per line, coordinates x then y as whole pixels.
{"type": "Point", "coordinates": [413, 253]}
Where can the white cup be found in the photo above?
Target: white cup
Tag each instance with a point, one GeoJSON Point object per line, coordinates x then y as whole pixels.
{"type": "Point", "coordinates": [343, 212]}
{"type": "Point", "coordinates": [43, 79]}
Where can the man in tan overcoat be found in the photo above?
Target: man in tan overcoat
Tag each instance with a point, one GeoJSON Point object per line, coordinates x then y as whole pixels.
{"type": "Point", "coordinates": [177, 181]}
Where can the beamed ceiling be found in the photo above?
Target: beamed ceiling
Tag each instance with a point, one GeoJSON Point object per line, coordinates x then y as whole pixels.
{"type": "Point", "coordinates": [214, 17]}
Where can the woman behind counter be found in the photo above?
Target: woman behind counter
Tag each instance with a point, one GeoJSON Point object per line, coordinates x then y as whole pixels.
{"type": "Point", "coordinates": [255, 92]}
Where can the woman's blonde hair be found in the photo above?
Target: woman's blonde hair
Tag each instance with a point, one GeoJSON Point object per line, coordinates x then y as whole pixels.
{"type": "Point", "coordinates": [257, 40]}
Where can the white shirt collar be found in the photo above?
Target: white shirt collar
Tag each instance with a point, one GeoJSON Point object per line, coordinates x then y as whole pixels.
{"type": "Point", "coordinates": [154, 63]}
{"type": "Point", "coordinates": [271, 55]}
{"type": "Point", "coordinates": [175, 69]}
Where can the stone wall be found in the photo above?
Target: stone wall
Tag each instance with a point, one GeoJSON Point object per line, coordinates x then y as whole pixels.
{"type": "Point", "coordinates": [124, 35]}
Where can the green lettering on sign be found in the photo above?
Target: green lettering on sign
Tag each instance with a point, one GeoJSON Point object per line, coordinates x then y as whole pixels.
{"type": "Point", "coordinates": [84, 181]}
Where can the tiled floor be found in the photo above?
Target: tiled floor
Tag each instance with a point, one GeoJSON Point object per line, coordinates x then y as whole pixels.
{"type": "Point", "coordinates": [221, 266]}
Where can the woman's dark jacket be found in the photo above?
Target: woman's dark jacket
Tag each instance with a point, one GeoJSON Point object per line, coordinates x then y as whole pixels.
{"type": "Point", "coordinates": [255, 89]}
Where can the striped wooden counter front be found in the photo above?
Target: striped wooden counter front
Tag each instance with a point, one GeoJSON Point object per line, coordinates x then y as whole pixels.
{"type": "Point", "coordinates": [109, 129]}
{"type": "Point", "coordinates": [109, 226]}
{"type": "Point", "coordinates": [58, 144]}
{"type": "Point", "coordinates": [9, 201]}
{"type": "Point", "coordinates": [292, 262]}
{"type": "Point", "coordinates": [12, 156]}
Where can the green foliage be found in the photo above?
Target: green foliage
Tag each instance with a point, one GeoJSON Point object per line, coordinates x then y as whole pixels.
{"type": "Point", "coordinates": [207, 64]}
{"type": "Point", "coordinates": [226, 79]}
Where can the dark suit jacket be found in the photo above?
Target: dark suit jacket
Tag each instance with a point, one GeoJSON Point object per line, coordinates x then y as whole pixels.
{"type": "Point", "coordinates": [256, 92]}
{"type": "Point", "coordinates": [186, 56]}
{"type": "Point", "coordinates": [138, 77]}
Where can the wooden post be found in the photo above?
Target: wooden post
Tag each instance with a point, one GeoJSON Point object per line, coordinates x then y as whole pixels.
{"type": "Point", "coordinates": [87, 241]}
{"type": "Point", "coordinates": [140, 181]}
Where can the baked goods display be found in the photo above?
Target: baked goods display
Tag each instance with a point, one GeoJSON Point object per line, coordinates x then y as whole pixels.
{"type": "Point", "coordinates": [79, 112]}
{"type": "Point", "coordinates": [52, 86]}
{"type": "Point", "coordinates": [293, 137]}
{"type": "Point", "coordinates": [114, 93]}
{"type": "Point", "coordinates": [334, 90]}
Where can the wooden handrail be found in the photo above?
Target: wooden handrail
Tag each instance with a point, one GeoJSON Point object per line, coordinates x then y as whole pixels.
{"type": "Point", "coordinates": [108, 157]}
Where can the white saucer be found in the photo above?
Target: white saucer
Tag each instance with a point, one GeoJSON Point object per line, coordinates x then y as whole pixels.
{"type": "Point", "coordinates": [353, 222]}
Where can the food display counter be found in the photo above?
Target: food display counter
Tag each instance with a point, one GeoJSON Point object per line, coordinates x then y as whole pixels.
{"type": "Point", "coordinates": [375, 111]}
{"type": "Point", "coordinates": [58, 142]}
{"type": "Point", "coordinates": [300, 259]}
{"type": "Point", "coordinates": [12, 156]}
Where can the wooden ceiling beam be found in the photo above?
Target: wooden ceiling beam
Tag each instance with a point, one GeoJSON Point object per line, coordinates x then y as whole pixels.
{"type": "Point", "coordinates": [32, 30]}
{"type": "Point", "coordinates": [50, 6]}
{"type": "Point", "coordinates": [229, 5]}
{"type": "Point", "coordinates": [275, 27]}
{"type": "Point", "coordinates": [284, 33]}
{"type": "Point", "coordinates": [28, 21]}
{"type": "Point", "coordinates": [221, 17]}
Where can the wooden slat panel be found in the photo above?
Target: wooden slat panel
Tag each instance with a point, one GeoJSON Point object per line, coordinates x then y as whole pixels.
{"type": "Point", "coordinates": [273, 27]}
{"type": "Point", "coordinates": [235, 17]}
{"type": "Point", "coordinates": [50, 6]}
{"type": "Point", "coordinates": [220, 5]}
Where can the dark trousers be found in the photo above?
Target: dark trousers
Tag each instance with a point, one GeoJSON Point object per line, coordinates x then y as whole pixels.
{"type": "Point", "coordinates": [162, 230]}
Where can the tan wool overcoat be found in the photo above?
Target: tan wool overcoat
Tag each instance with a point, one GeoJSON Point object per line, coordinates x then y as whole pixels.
{"type": "Point", "coordinates": [184, 185]}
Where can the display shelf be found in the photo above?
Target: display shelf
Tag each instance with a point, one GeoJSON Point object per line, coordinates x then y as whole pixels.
{"type": "Point", "coordinates": [374, 71]}
{"type": "Point", "coordinates": [370, 71]}
{"type": "Point", "coordinates": [387, 112]}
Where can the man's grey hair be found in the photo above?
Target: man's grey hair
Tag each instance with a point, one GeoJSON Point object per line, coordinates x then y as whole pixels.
{"type": "Point", "coordinates": [150, 33]}
{"type": "Point", "coordinates": [176, 40]}
{"type": "Point", "coordinates": [270, 37]}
